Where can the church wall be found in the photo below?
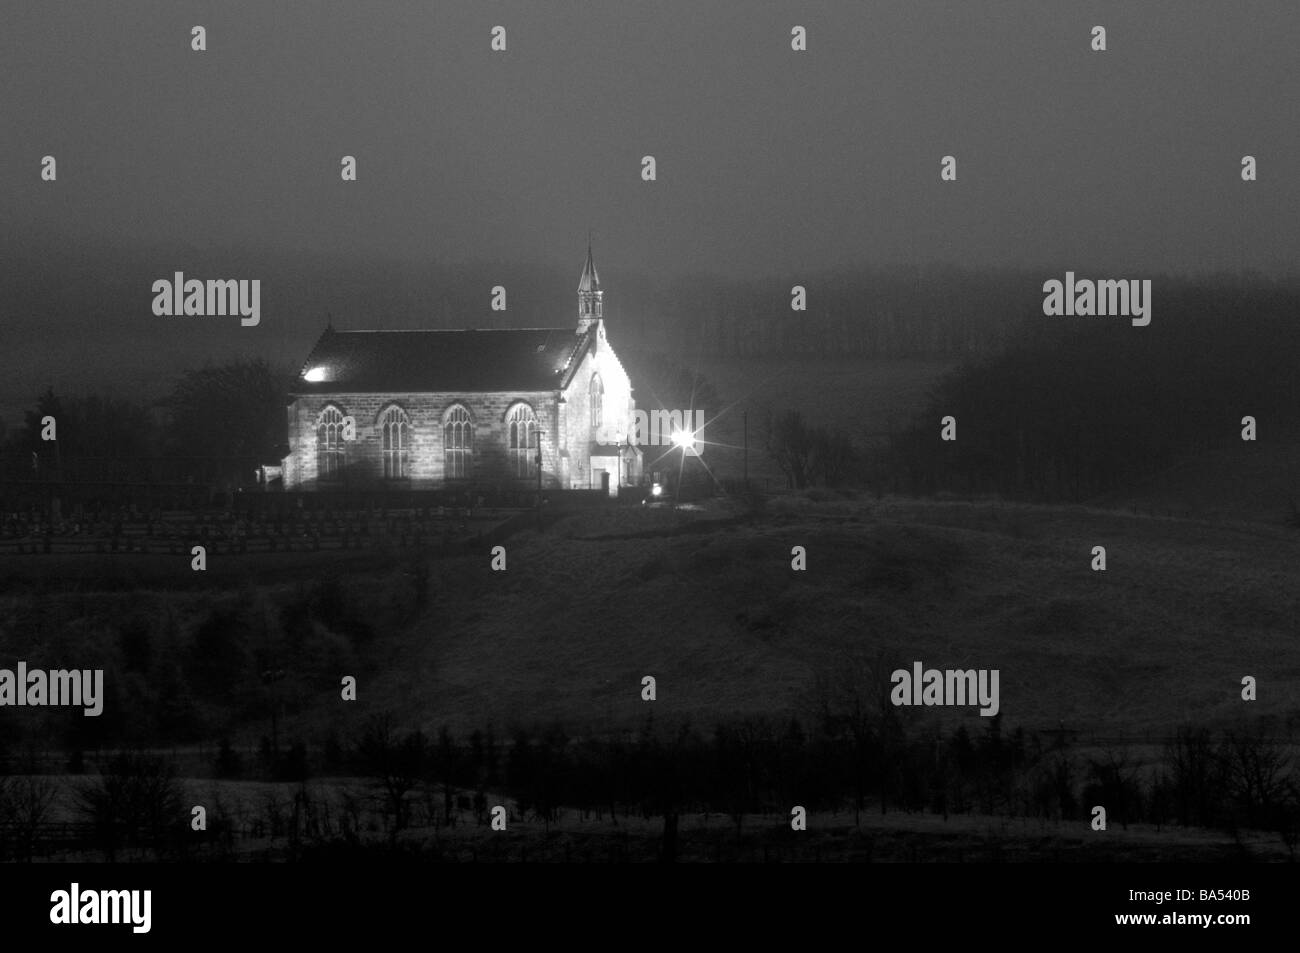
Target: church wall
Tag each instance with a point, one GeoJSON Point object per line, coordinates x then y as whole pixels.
{"type": "Point", "coordinates": [363, 457]}
{"type": "Point", "coordinates": [616, 416]}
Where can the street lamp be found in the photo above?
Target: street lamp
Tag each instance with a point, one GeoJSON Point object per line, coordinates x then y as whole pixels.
{"type": "Point", "coordinates": [684, 440]}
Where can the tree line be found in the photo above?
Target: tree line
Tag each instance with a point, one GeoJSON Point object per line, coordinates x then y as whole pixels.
{"type": "Point", "coordinates": [1070, 411]}
{"type": "Point", "coordinates": [214, 424]}
{"type": "Point", "coordinates": [844, 762]}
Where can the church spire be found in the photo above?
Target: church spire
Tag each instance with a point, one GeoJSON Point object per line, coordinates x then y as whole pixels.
{"type": "Point", "coordinates": [590, 305]}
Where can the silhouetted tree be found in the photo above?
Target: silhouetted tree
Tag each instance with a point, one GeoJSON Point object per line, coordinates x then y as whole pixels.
{"type": "Point", "coordinates": [137, 800]}
{"type": "Point", "coordinates": [232, 411]}
{"type": "Point", "coordinates": [790, 444]}
{"type": "Point", "coordinates": [397, 763]}
{"type": "Point", "coordinates": [833, 456]}
{"type": "Point", "coordinates": [25, 804]}
{"type": "Point", "coordinates": [91, 426]}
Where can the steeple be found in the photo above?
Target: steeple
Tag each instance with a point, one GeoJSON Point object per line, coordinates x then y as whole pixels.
{"type": "Point", "coordinates": [590, 306]}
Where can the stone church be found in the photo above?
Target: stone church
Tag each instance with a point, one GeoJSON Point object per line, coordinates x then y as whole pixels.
{"type": "Point", "coordinates": [447, 409]}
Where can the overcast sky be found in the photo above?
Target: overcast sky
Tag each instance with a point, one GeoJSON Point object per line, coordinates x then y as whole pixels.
{"type": "Point", "coordinates": [767, 159]}
{"type": "Point", "coordinates": [770, 163]}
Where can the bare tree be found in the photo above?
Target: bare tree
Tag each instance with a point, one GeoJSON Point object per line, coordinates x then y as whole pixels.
{"type": "Point", "coordinates": [833, 456]}
{"type": "Point", "coordinates": [136, 801]}
{"type": "Point", "coordinates": [397, 763]}
{"type": "Point", "coordinates": [1117, 784]}
{"type": "Point", "coordinates": [1196, 776]}
{"type": "Point", "coordinates": [1257, 772]}
{"type": "Point", "coordinates": [790, 444]}
{"type": "Point", "coordinates": [25, 804]}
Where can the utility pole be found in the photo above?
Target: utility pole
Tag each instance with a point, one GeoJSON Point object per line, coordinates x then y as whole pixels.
{"type": "Point", "coordinates": [744, 416]}
{"type": "Point", "coordinates": [270, 677]}
{"type": "Point", "coordinates": [538, 461]}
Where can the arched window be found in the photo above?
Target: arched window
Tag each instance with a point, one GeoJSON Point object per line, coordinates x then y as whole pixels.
{"type": "Point", "coordinates": [522, 428]}
{"type": "Point", "coordinates": [329, 444]}
{"type": "Point", "coordinates": [395, 428]}
{"type": "Point", "coordinates": [597, 401]}
{"type": "Point", "coordinates": [457, 443]}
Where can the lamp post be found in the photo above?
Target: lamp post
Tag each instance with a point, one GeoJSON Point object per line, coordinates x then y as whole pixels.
{"type": "Point", "coordinates": [684, 440]}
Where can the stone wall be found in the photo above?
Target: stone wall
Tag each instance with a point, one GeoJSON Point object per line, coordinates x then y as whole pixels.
{"type": "Point", "coordinates": [426, 414]}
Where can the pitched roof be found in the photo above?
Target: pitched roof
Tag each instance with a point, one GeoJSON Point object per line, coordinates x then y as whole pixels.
{"type": "Point", "coordinates": [590, 281]}
{"type": "Point", "coordinates": [502, 359]}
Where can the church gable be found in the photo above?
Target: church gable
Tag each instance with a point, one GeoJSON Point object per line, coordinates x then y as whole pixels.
{"type": "Point", "coordinates": [598, 394]}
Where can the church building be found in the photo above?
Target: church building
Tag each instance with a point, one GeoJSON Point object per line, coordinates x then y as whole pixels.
{"type": "Point", "coordinates": [445, 409]}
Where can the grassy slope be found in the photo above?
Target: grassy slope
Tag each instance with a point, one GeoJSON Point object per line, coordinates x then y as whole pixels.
{"type": "Point", "coordinates": [1185, 609]}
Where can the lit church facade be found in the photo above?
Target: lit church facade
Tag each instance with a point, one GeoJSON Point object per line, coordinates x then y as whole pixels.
{"type": "Point", "coordinates": [447, 409]}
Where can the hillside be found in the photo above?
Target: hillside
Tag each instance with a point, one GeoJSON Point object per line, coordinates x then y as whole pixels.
{"type": "Point", "coordinates": [1185, 609]}
{"type": "Point", "coordinates": [705, 600]}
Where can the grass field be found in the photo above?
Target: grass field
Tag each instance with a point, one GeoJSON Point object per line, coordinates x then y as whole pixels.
{"type": "Point", "coordinates": [1184, 610]}
{"type": "Point", "coordinates": [705, 600]}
